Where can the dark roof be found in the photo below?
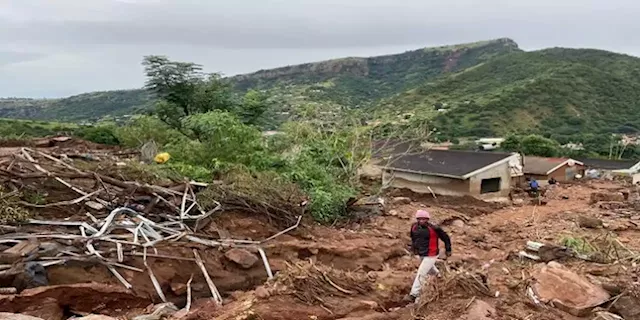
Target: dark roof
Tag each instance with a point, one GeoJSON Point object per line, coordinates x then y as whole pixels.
{"type": "Point", "coordinates": [447, 162]}
{"type": "Point", "coordinates": [608, 164]}
{"type": "Point", "coordinates": [541, 165]}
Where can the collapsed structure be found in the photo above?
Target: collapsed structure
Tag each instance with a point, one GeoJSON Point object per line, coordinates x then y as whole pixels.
{"type": "Point", "coordinates": [485, 175]}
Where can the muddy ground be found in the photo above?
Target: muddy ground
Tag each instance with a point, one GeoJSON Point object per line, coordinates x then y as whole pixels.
{"type": "Point", "coordinates": [360, 270]}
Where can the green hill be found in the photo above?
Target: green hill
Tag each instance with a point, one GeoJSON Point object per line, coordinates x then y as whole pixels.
{"type": "Point", "coordinates": [480, 89]}
{"type": "Point", "coordinates": [357, 82]}
{"type": "Point", "coordinates": [327, 85]}
{"type": "Point", "coordinates": [555, 91]}
{"type": "Point", "coordinates": [87, 106]}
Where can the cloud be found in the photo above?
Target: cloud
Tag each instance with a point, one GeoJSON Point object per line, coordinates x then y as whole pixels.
{"type": "Point", "coordinates": [244, 35]}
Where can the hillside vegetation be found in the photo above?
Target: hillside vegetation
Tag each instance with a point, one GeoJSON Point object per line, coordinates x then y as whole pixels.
{"type": "Point", "coordinates": [558, 92]}
{"type": "Point", "coordinates": [87, 106]}
{"type": "Point", "coordinates": [488, 88]}
{"type": "Point", "coordinates": [327, 86]}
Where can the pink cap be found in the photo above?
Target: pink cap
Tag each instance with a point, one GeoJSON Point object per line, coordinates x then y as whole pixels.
{"type": "Point", "coordinates": [423, 214]}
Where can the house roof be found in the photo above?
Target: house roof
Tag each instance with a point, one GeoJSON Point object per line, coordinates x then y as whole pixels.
{"type": "Point", "coordinates": [608, 164]}
{"type": "Point", "coordinates": [448, 163]}
{"type": "Point", "coordinates": [544, 166]}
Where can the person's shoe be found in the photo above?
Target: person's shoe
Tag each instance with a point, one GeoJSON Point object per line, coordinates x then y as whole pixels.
{"type": "Point", "coordinates": [409, 298]}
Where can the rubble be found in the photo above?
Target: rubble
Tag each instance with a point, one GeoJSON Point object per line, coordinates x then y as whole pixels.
{"type": "Point", "coordinates": [242, 257]}
{"type": "Point", "coordinates": [90, 222]}
{"type": "Point", "coordinates": [628, 307]}
{"type": "Point", "coordinates": [479, 310]}
{"type": "Point", "coordinates": [589, 222]}
{"type": "Point", "coordinates": [567, 290]}
{"type": "Point", "coordinates": [606, 196]}
{"type": "Point", "coordinates": [400, 200]}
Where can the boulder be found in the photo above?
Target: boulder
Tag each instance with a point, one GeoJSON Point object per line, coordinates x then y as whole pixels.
{"type": "Point", "coordinates": [628, 307]}
{"type": "Point", "coordinates": [589, 222]}
{"type": "Point", "coordinates": [567, 290]}
{"type": "Point", "coordinates": [262, 293]}
{"type": "Point", "coordinates": [179, 288]}
{"type": "Point", "coordinates": [243, 258]}
{"type": "Point", "coordinates": [606, 196]}
{"type": "Point", "coordinates": [479, 310]}
{"type": "Point", "coordinates": [48, 308]}
{"type": "Point", "coordinates": [458, 223]}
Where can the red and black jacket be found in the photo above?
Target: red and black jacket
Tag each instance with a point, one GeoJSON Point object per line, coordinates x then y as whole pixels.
{"type": "Point", "coordinates": [424, 240]}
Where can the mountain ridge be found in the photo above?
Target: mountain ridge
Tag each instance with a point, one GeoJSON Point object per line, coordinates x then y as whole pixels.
{"type": "Point", "coordinates": [475, 89]}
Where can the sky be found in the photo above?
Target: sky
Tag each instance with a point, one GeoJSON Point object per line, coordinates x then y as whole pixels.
{"type": "Point", "coordinates": [57, 48]}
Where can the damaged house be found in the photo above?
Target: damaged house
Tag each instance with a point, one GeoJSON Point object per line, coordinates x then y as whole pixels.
{"type": "Point", "coordinates": [561, 169]}
{"type": "Point", "coordinates": [608, 169]}
{"type": "Point", "coordinates": [485, 175]}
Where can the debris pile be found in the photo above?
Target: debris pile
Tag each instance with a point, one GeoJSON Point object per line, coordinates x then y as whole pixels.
{"type": "Point", "coordinates": [461, 281]}
{"type": "Point", "coordinates": [110, 222]}
{"type": "Point", "coordinates": [311, 283]}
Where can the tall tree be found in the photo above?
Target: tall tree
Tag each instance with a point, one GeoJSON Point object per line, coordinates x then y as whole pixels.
{"type": "Point", "coordinates": [185, 90]}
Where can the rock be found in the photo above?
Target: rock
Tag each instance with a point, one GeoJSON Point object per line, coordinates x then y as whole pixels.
{"type": "Point", "coordinates": [604, 196]}
{"type": "Point", "coordinates": [393, 213]}
{"type": "Point", "coordinates": [517, 202]}
{"type": "Point", "coordinates": [28, 275]}
{"type": "Point", "coordinates": [94, 205]}
{"type": "Point", "coordinates": [612, 205]}
{"type": "Point", "coordinates": [567, 290]}
{"type": "Point", "coordinates": [458, 223]}
{"type": "Point", "coordinates": [262, 293]}
{"type": "Point", "coordinates": [589, 222]}
{"type": "Point", "coordinates": [628, 308]}
{"type": "Point", "coordinates": [401, 200]}
{"type": "Point", "coordinates": [179, 288]}
{"type": "Point", "coordinates": [243, 258]}
{"type": "Point", "coordinates": [13, 316]}
{"type": "Point", "coordinates": [96, 317]}
{"type": "Point", "coordinates": [374, 316]}
{"type": "Point", "coordinates": [47, 308]}
{"type": "Point", "coordinates": [479, 310]}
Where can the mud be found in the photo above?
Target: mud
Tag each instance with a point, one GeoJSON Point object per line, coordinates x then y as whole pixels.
{"type": "Point", "coordinates": [359, 271]}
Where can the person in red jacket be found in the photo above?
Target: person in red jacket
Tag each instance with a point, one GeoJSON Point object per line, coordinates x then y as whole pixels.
{"type": "Point", "coordinates": [425, 243]}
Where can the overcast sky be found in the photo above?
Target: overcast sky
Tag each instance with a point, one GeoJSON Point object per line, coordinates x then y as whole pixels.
{"type": "Point", "coordinates": [55, 48]}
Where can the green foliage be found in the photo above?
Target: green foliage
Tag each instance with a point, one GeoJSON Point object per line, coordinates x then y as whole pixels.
{"type": "Point", "coordinates": [19, 129]}
{"type": "Point", "coordinates": [533, 145]}
{"type": "Point", "coordinates": [219, 138]}
{"type": "Point", "coordinates": [147, 128]}
{"type": "Point", "coordinates": [183, 89]}
{"type": "Point", "coordinates": [100, 134]}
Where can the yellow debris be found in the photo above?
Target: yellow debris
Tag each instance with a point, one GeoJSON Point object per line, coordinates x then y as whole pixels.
{"type": "Point", "coordinates": [162, 157]}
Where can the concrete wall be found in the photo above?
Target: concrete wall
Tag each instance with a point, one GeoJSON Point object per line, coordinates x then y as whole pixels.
{"type": "Point", "coordinates": [560, 174]}
{"type": "Point", "coordinates": [420, 183]}
{"type": "Point", "coordinates": [449, 186]}
{"type": "Point", "coordinates": [501, 171]}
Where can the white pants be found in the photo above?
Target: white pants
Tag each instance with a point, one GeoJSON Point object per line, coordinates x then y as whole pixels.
{"type": "Point", "coordinates": [427, 266]}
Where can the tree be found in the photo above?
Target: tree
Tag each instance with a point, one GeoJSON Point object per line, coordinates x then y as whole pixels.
{"type": "Point", "coordinates": [511, 143]}
{"type": "Point", "coordinates": [172, 81]}
{"type": "Point", "coordinates": [536, 145]}
{"type": "Point", "coordinates": [254, 105]}
{"type": "Point", "coordinates": [184, 90]}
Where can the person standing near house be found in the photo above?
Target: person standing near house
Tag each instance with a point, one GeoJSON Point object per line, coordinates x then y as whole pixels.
{"type": "Point", "coordinates": [425, 243]}
{"type": "Point", "coordinates": [533, 187]}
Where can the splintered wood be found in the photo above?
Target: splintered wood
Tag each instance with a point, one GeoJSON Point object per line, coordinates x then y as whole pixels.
{"type": "Point", "coordinates": [128, 219]}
